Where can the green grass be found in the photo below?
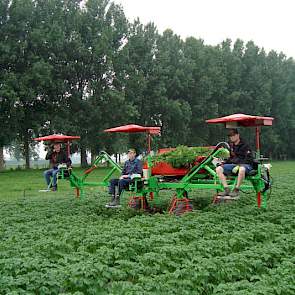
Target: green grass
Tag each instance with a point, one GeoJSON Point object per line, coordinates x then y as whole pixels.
{"type": "Point", "coordinates": [53, 243]}
{"type": "Point", "coordinates": [20, 183]}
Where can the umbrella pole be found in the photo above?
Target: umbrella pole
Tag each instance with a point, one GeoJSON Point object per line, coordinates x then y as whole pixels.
{"type": "Point", "coordinates": [68, 148]}
{"type": "Point", "coordinates": [149, 143]}
{"type": "Point", "coordinates": [257, 142]}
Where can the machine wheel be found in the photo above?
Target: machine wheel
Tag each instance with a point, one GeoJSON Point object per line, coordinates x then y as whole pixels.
{"type": "Point", "coordinates": [179, 206]}
{"type": "Point", "coordinates": [138, 203]}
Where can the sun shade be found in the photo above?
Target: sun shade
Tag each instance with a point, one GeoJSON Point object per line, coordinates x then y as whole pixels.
{"type": "Point", "coordinates": [132, 128]}
{"type": "Point", "coordinates": [243, 120]}
{"type": "Point", "coordinates": [57, 137]}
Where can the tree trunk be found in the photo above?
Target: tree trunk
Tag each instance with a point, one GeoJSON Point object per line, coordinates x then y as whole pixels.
{"type": "Point", "coordinates": [84, 162]}
{"type": "Point", "coordinates": [116, 157]}
{"type": "Point", "coordinates": [93, 155]}
{"type": "Point", "coordinates": [1, 158]}
{"type": "Point", "coordinates": [27, 150]}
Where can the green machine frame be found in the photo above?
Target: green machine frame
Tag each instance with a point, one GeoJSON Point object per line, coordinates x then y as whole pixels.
{"type": "Point", "coordinates": [79, 183]}
{"type": "Point", "coordinates": [201, 176]}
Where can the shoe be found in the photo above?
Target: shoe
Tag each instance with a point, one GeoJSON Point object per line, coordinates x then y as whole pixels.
{"type": "Point", "coordinates": [54, 188]}
{"type": "Point", "coordinates": [225, 193]}
{"type": "Point", "coordinates": [115, 202]}
{"type": "Point", "coordinates": [235, 194]}
{"type": "Point", "coordinates": [112, 199]}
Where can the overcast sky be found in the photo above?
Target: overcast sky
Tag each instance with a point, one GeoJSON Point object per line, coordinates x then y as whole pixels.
{"type": "Point", "coordinates": [269, 23]}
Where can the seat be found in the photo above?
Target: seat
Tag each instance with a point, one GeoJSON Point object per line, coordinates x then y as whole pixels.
{"type": "Point", "coordinates": [136, 199]}
{"type": "Point", "coordinates": [64, 171]}
{"type": "Point", "coordinates": [136, 184]}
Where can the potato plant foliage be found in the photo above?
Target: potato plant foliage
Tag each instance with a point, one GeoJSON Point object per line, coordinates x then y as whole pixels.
{"type": "Point", "coordinates": [56, 244]}
{"type": "Point", "coordinates": [182, 156]}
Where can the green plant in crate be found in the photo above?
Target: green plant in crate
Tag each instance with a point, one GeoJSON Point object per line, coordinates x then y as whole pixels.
{"type": "Point", "coordinates": [182, 156]}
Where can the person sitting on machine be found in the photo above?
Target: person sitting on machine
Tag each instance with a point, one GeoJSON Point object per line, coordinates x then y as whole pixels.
{"type": "Point", "coordinates": [240, 161]}
{"type": "Point", "coordinates": [56, 157]}
{"type": "Point", "coordinates": [132, 166]}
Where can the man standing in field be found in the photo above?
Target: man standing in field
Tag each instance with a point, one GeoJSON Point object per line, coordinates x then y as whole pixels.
{"type": "Point", "coordinates": [131, 166]}
{"type": "Point", "coordinates": [55, 156]}
{"type": "Point", "coordinates": [240, 161]}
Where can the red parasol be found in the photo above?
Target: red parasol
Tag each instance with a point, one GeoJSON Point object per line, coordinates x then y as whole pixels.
{"type": "Point", "coordinates": [236, 120]}
{"type": "Point", "coordinates": [59, 138]}
{"type": "Point", "coordinates": [132, 128]}
{"type": "Point", "coordinates": [243, 120]}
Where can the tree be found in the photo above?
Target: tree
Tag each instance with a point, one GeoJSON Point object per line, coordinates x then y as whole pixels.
{"type": "Point", "coordinates": [29, 75]}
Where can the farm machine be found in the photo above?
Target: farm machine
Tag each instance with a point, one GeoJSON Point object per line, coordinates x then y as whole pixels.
{"type": "Point", "coordinates": [159, 176]}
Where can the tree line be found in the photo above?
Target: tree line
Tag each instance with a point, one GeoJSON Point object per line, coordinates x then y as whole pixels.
{"type": "Point", "coordinates": [79, 67]}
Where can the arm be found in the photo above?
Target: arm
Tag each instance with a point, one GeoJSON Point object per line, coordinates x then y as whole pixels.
{"type": "Point", "coordinates": [137, 168]}
{"type": "Point", "coordinates": [246, 154]}
{"type": "Point", "coordinates": [49, 155]}
{"type": "Point", "coordinates": [134, 168]}
{"type": "Point", "coordinates": [66, 159]}
{"type": "Point", "coordinates": [240, 155]}
{"type": "Point", "coordinates": [243, 155]}
{"type": "Point", "coordinates": [124, 171]}
{"type": "Point", "coordinates": [232, 154]}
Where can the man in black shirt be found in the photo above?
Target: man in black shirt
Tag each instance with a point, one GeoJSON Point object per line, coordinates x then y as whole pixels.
{"type": "Point", "coordinates": [240, 161]}
{"type": "Point", "coordinates": [55, 156]}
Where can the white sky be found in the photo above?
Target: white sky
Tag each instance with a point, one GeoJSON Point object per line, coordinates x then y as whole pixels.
{"type": "Point", "coordinates": [269, 23]}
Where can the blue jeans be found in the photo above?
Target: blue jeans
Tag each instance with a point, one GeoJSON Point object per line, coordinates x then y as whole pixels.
{"type": "Point", "coordinates": [51, 173]}
{"type": "Point", "coordinates": [227, 168]}
{"type": "Point", "coordinates": [121, 183]}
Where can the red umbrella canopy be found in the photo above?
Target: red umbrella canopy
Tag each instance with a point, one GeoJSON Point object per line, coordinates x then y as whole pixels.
{"type": "Point", "coordinates": [132, 128]}
{"type": "Point", "coordinates": [57, 137]}
{"type": "Point", "coordinates": [236, 120]}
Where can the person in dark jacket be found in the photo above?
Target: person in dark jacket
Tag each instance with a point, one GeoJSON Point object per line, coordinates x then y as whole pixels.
{"type": "Point", "coordinates": [240, 161]}
{"type": "Point", "coordinates": [56, 156]}
{"type": "Point", "coordinates": [132, 166]}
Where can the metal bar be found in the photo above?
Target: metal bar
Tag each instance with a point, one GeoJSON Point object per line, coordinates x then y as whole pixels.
{"type": "Point", "coordinates": [259, 199]}
{"type": "Point", "coordinates": [211, 171]}
{"type": "Point", "coordinates": [149, 143]}
{"type": "Point", "coordinates": [150, 165]}
{"type": "Point", "coordinates": [108, 158]}
{"type": "Point", "coordinates": [102, 156]}
{"type": "Point", "coordinates": [90, 170]}
{"type": "Point", "coordinates": [179, 185]}
{"type": "Point", "coordinates": [110, 174]}
{"type": "Point", "coordinates": [264, 200]}
{"type": "Point", "coordinates": [91, 183]}
{"type": "Point", "coordinates": [68, 149]}
{"type": "Point", "coordinates": [196, 169]}
{"type": "Point", "coordinates": [257, 142]}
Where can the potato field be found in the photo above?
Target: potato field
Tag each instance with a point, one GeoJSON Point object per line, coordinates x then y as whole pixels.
{"type": "Point", "coordinates": [54, 243]}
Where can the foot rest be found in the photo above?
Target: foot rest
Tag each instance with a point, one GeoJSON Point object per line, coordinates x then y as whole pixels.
{"type": "Point", "coordinates": [223, 199]}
